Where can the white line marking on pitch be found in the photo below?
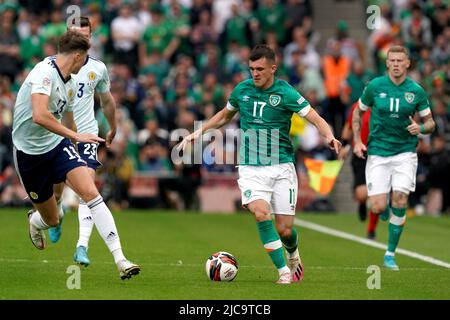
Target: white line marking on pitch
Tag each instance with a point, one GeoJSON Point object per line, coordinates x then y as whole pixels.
{"type": "Point", "coordinates": [197, 265]}
{"type": "Point", "coordinates": [371, 243]}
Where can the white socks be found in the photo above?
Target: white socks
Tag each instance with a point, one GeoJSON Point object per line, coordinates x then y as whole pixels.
{"type": "Point", "coordinates": [60, 209]}
{"type": "Point", "coordinates": [106, 226]}
{"type": "Point", "coordinates": [36, 220]}
{"type": "Point", "coordinates": [86, 224]}
{"type": "Point", "coordinates": [283, 270]}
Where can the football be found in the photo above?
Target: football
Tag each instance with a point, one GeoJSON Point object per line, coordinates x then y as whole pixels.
{"type": "Point", "coordinates": [221, 266]}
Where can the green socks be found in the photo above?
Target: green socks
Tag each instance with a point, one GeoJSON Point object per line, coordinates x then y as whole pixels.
{"type": "Point", "coordinates": [291, 243]}
{"type": "Point", "coordinates": [384, 216]}
{"type": "Point", "coordinates": [396, 228]}
{"type": "Point", "coordinates": [272, 243]}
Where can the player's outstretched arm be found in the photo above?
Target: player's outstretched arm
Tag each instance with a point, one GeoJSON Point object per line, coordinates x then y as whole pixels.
{"type": "Point", "coordinates": [220, 119]}
{"type": "Point", "coordinates": [44, 118]}
{"type": "Point", "coordinates": [109, 109]}
{"type": "Point", "coordinates": [324, 129]}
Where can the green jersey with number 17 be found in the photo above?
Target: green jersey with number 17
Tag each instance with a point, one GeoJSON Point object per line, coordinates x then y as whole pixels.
{"type": "Point", "coordinates": [265, 119]}
{"type": "Point", "coordinates": [392, 105]}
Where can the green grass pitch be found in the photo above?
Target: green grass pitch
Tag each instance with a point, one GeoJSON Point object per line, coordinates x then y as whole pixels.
{"type": "Point", "coordinates": [172, 249]}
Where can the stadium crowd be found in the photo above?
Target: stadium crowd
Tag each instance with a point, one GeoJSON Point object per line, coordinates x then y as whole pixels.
{"type": "Point", "coordinates": [173, 62]}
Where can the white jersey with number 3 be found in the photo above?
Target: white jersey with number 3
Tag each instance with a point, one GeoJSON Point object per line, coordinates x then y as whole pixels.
{"type": "Point", "coordinates": [92, 77]}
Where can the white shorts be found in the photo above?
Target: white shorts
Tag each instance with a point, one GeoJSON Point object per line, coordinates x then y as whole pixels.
{"type": "Point", "coordinates": [276, 184]}
{"type": "Point", "coordinates": [395, 172]}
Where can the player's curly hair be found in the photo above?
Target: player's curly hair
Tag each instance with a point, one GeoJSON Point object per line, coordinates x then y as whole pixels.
{"type": "Point", "coordinates": [72, 41]}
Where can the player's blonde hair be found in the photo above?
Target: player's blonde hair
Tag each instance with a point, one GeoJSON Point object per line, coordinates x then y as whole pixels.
{"type": "Point", "coordinates": [398, 49]}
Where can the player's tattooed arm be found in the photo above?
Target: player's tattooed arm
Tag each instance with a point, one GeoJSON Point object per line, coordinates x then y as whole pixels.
{"type": "Point", "coordinates": [359, 148]}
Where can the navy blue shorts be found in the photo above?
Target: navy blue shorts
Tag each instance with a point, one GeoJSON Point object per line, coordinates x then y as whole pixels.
{"type": "Point", "coordinates": [40, 172]}
{"type": "Point", "coordinates": [88, 152]}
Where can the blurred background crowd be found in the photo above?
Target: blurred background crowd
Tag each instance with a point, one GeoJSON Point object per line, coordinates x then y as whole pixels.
{"type": "Point", "coordinates": [173, 62]}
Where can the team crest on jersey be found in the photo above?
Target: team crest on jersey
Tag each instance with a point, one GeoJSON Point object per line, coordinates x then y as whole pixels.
{"type": "Point", "coordinates": [70, 93]}
{"type": "Point", "coordinates": [248, 193]}
{"type": "Point", "coordinates": [33, 195]}
{"type": "Point", "coordinates": [274, 99]}
{"type": "Point", "coordinates": [91, 76]}
{"type": "Point", "coordinates": [46, 82]}
{"type": "Point", "coordinates": [409, 97]}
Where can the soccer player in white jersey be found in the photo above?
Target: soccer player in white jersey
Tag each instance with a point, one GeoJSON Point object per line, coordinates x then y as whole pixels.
{"type": "Point", "coordinates": [93, 77]}
{"type": "Point", "coordinates": [44, 155]}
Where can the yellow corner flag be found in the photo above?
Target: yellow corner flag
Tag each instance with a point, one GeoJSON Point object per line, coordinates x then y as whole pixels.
{"type": "Point", "coordinates": [323, 174]}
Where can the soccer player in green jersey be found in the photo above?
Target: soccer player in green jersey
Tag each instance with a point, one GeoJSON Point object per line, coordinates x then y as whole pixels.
{"type": "Point", "coordinates": [391, 148]}
{"type": "Point", "coordinates": [267, 176]}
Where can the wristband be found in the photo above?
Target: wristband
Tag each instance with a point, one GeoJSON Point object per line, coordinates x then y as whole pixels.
{"type": "Point", "coordinates": [422, 128]}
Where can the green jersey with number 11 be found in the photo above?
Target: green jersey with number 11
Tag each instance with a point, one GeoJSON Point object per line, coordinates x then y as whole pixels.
{"type": "Point", "coordinates": [266, 121]}
{"type": "Point", "coordinates": [392, 105]}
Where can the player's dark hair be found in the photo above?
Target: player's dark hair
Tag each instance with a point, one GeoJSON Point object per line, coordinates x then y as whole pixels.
{"type": "Point", "coordinates": [262, 51]}
{"type": "Point", "coordinates": [84, 22]}
{"type": "Point", "coordinates": [72, 41]}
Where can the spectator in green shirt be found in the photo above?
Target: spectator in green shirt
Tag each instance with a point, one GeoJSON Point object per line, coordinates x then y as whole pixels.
{"type": "Point", "coordinates": [56, 27]}
{"type": "Point", "coordinates": [31, 47]}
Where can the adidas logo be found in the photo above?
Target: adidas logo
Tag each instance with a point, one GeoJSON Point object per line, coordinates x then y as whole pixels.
{"type": "Point", "coordinates": [88, 218]}
{"type": "Point", "coordinates": [110, 235]}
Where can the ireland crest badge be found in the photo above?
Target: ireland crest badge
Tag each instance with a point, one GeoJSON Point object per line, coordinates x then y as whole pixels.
{"type": "Point", "coordinates": [409, 97]}
{"type": "Point", "coordinates": [274, 100]}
